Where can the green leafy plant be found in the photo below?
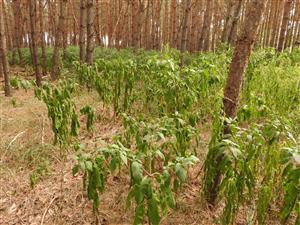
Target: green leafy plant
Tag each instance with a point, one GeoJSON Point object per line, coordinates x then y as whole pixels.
{"type": "Point", "coordinates": [39, 172]}
{"type": "Point", "coordinates": [251, 163]}
{"type": "Point", "coordinates": [14, 101]}
{"type": "Point", "coordinates": [61, 109]}
{"type": "Point", "coordinates": [90, 113]}
{"type": "Point", "coordinates": [157, 169]}
{"type": "Point", "coordinates": [291, 184]}
{"type": "Point", "coordinates": [21, 83]}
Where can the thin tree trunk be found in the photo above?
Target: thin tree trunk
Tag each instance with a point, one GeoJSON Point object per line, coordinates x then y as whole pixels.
{"type": "Point", "coordinates": [277, 24]}
{"type": "Point", "coordinates": [234, 25]}
{"type": "Point", "coordinates": [58, 41]}
{"type": "Point", "coordinates": [82, 30]}
{"type": "Point", "coordinates": [3, 54]}
{"type": "Point", "coordinates": [284, 24]}
{"type": "Point", "coordinates": [32, 15]}
{"type": "Point", "coordinates": [140, 17]}
{"type": "Point", "coordinates": [183, 46]}
{"type": "Point", "coordinates": [9, 39]}
{"type": "Point", "coordinates": [134, 35]}
{"type": "Point", "coordinates": [290, 32]}
{"type": "Point", "coordinates": [90, 32]}
{"type": "Point", "coordinates": [174, 23]}
{"type": "Point", "coordinates": [17, 28]}
{"type": "Point", "coordinates": [147, 27]}
{"type": "Point", "coordinates": [205, 35]}
{"type": "Point", "coordinates": [42, 38]}
{"type": "Point", "coordinates": [10, 30]}
{"type": "Point", "coordinates": [234, 10]}
{"type": "Point", "coordinates": [97, 24]}
{"type": "Point", "coordinates": [166, 23]}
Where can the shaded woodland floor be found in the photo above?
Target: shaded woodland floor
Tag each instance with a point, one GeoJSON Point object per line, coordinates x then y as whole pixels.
{"type": "Point", "coordinates": [31, 170]}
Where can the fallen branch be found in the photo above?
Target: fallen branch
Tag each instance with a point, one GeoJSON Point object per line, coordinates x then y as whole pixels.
{"type": "Point", "coordinates": [48, 207]}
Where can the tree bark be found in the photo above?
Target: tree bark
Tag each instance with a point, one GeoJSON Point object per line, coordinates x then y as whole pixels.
{"type": "Point", "coordinates": [3, 54]}
{"type": "Point", "coordinates": [234, 10]}
{"type": "Point", "coordinates": [42, 38]}
{"type": "Point", "coordinates": [134, 34]}
{"type": "Point", "coordinates": [205, 34]}
{"type": "Point", "coordinates": [32, 15]}
{"type": "Point", "coordinates": [97, 24]}
{"type": "Point", "coordinates": [82, 30]}
{"type": "Point", "coordinates": [285, 20]}
{"type": "Point", "coordinates": [17, 28]}
{"type": "Point", "coordinates": [234, 26]}
{"type": "Point", "coordinates": [90, 32]}
{"type": "Point", "coordinates": [183, 46]}
{"type": "Point", "coordinates": [58, 41]}
{"type": "Point", "coordinates": [174, 23]}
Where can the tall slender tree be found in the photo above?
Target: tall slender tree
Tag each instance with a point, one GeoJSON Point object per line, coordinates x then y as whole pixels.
{"type": "Point", "coordinates": [82, 31]}
{"type": "Point", "coordinates": [33, 41]}
{"type": "Point", "coordinates": [55, 71]}
{"type": "Point", "coordinates": [188, 5]}
{"type": "Point", "coordinates": [42, 37]}
{"type": "Point", "coordinates": [17, 27]}
{"type": "Point", "coordinates": [205, 33]}
{"type": "Point", "coordinates": [3, 54]}
{"type": "Point", "coordinates": [242, 51]}
{"type": "Point", "coordinates": [233, 12]}
{"type": "Point", "coordinates": [90, 32]}
{"type": "Point", "coordinates": [284, 25]}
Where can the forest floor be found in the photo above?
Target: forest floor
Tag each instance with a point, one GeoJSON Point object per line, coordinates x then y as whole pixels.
{"type": "Point", "coordinates": [34, 175]}
{"type": "Point", "coordinates": [31, 170]}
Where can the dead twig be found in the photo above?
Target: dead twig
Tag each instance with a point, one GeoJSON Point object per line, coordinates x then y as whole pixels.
{"type": "Point", "coordinates": [48, 207]}
{"type": "Point", "coordinates": [10, 143]}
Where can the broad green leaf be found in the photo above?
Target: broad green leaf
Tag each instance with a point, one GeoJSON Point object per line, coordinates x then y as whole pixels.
{"type": "Point", "coordinates": [75, 169]}
{"type": "Point", "coordinates": [153, 211]}
{"type": "Point", "coordinates": [89, 166]}
{"type": "Point", "coordinates": [180, 172]}
{"type": "Point", "coordinates": [123, 158]}
{"type": "Point", "coordinates": [136, 172]}
{"type": "Point", "coordinates": [139, 214]}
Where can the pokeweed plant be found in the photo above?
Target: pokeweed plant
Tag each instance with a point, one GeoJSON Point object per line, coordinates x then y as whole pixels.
{"type": "Point", "coordinates": [91, 117]}
{"type": "Point", "coordinates": [154, 193]}
{"type": "Point", "coordinates": [148, 153]}
{"type": "Point", "coordinates": [154, 82]}
{"type": "Point", "coordinates": [61, 109]}
{"type": "Point", "coordinates": [252, 162]}
{"type": "Point", "coordinates": [62, 112]}
{"type": "Point", "coordinates": [112, 79]}
{"type": "Point", "coordinates": [18, 83]}
{"type": "Point", "coordinates": [96, 169]}
{"type": "Point", "coordinates": [173, 135]}
{"type": "Point", "coordinates": [291, 184]}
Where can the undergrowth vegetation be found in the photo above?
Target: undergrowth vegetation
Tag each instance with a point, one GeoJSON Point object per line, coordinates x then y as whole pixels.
{"type": "Point", "coordinates": [163, 98]}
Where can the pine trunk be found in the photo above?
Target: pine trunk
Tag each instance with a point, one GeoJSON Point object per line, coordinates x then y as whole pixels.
{"type": "Point", "coordinates": [242, 51]}
{"type": "Point", "coordinates": [90, 32]}
{"type": "Point", "coordinates": [3, 54]}
{"type": "Point", "coordinates": [33, 42]}
{"type": "Point", "coordinates": [284, 25]}
{"type": "Point", "coordinates": [42, 38]}
{"type": "Point", "coordinates": [82, 30]}
{"type": "Point", "coordinates": [183, 46]}
{"type": "Point", "coordinates": [58, 41]}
